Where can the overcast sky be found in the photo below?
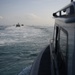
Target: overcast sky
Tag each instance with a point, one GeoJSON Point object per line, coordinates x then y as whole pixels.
{"type": "Point", "coordinates": [29, 12]}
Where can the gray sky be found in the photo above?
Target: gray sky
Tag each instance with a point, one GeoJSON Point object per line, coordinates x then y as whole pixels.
{"type": "Point", "coordinates": [29, 12]}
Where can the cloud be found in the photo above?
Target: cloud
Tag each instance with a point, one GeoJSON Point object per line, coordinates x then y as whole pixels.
{"type": "Point", "coordinates": [1, 17]}
{"type": "Point", "coordinates": [32, 19]}
{"type": "Point", "coordinates": [31, 16]}
{"type": "Point", "coordinates": [26, 19]}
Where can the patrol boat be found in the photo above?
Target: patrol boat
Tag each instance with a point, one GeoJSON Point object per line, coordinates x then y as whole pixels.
{"type": "Point", "coordinates": [18, 25]}
{"type": "Point", "coordinates": [58, 58]}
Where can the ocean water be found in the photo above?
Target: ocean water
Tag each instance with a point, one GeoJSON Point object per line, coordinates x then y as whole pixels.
{"type": "Point", "coordinates": [19, 46]}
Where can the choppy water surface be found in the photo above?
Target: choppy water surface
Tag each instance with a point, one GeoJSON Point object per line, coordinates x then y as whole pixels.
{"type": "Point", "coordinates": [19, 46]}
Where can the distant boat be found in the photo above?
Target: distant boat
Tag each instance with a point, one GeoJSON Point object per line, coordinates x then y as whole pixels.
{"type": "Point", "coordinates": [18, 25]}
{"type": "Point", "coordinates": [22, 25]}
